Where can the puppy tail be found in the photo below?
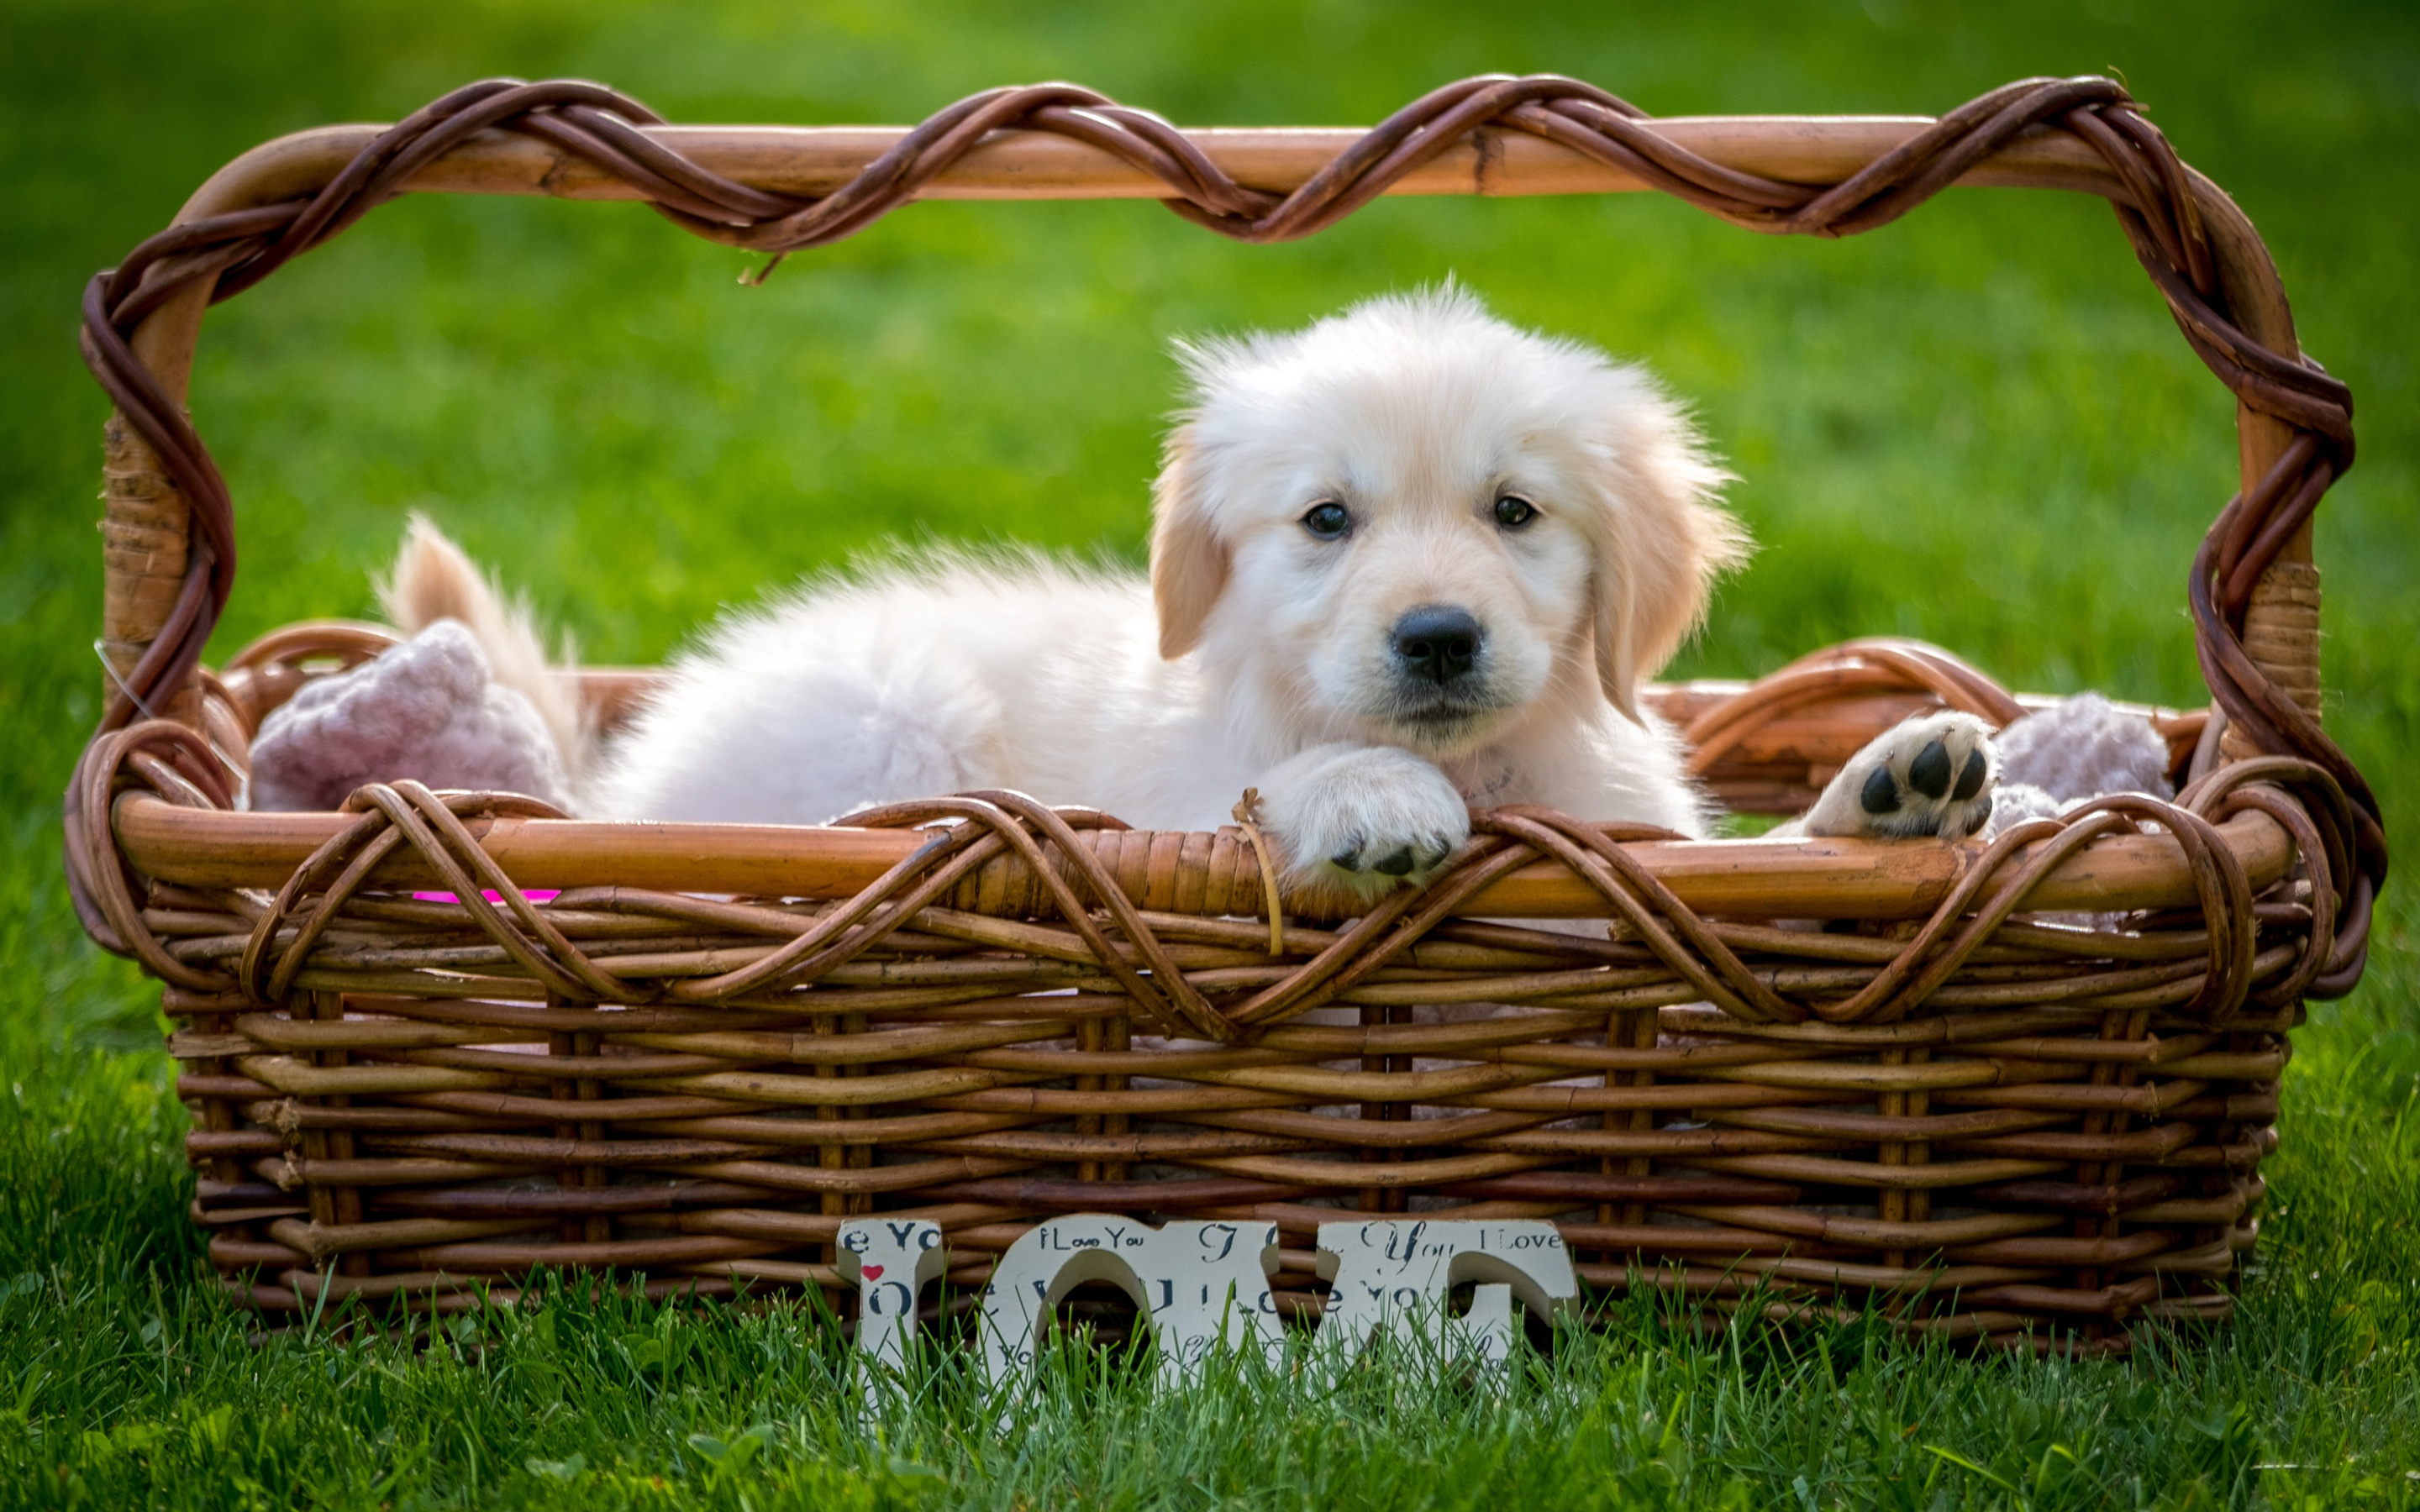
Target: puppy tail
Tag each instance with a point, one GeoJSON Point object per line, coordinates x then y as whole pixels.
{"type": "Point", "coordinates": [434, 580]}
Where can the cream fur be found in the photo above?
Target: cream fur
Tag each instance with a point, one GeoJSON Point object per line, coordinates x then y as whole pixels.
{"type": "Point", "coordinates": [1266, 661]}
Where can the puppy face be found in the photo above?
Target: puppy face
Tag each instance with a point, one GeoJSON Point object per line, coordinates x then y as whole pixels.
{"type": "Point", "coordinates": [1415, 525]}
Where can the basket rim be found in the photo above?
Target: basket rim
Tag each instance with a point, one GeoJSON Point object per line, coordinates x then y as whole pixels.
{"type": "Point", "coordinates": [1756, 877]}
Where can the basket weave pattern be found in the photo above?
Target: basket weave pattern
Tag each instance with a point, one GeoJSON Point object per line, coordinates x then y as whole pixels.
{"type": "Point", "coordinates": [2017, 1093]}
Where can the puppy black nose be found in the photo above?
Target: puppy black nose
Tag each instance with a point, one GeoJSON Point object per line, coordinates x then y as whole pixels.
{"type": "Point", "coordinates": [1437, 644]}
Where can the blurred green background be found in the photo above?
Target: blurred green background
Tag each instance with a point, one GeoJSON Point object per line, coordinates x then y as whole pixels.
{"type": "Point", "coordinates": [1976, 427]}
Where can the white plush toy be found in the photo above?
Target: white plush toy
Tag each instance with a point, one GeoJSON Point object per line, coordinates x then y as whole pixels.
{"type": "Point", "coordinates": [2081, 748]}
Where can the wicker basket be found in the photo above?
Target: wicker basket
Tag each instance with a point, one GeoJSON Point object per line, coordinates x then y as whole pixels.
{"type": "Point", "coordinates": [1806, 1075]}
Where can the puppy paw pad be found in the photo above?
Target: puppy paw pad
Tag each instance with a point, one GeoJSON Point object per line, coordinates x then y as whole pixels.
{"type": "Point", "coordinates": [1928, 774]}
{"type": "Point", "coordinates": [1970, 781]}
{"type": "Point", "coordinates": [1879, 795]}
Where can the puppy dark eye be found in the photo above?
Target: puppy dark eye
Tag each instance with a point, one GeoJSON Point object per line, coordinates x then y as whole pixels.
{"type": "Point", "coordinates": [1512, 512]}
{"type": "Point", "coordinates": [1329, 520]}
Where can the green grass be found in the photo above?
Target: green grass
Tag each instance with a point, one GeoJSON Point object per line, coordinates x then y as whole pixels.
{"type": "Point", "coordinates": [1976, 427]}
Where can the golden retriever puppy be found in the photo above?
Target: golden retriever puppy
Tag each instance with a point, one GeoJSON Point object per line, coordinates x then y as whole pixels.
{"type": "Point", "coordinates": [1405, 561]}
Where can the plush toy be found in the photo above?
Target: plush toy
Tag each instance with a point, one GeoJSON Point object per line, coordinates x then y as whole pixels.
{"type": "Point", "coordinates": [427, 709]}
{"type": "Point", "coordinates": [2080, 747]}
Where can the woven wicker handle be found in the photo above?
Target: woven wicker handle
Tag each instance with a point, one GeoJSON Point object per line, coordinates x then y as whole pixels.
{"type": "Point", "coordinates": [148, 519]}
{"type": "Point", "coordinates": [169, 544]}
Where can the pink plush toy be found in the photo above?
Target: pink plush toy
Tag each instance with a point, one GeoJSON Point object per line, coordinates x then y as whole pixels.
{"type": "Point", "coordinates": [426, 709]}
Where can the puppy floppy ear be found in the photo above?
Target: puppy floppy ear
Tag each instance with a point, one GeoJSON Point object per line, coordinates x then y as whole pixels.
{"type": "Point", "coordinates": [1189, 560]}
{"type": "Point", "coordinates": [1662, 537]}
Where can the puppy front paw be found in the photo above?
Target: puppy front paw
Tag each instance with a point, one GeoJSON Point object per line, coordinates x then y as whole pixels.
{"type": "Point", "coordinates": [1932, 775]}
{"type": "Point", "coordinates": [1363, 816]}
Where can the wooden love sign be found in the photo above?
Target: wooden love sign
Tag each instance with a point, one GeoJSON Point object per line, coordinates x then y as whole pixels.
{"type": "Point", "coordinates": [1204, 1286]}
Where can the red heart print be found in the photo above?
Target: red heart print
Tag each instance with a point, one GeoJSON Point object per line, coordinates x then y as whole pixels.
{"type": "Point", "coordinates": [871, 1273]}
